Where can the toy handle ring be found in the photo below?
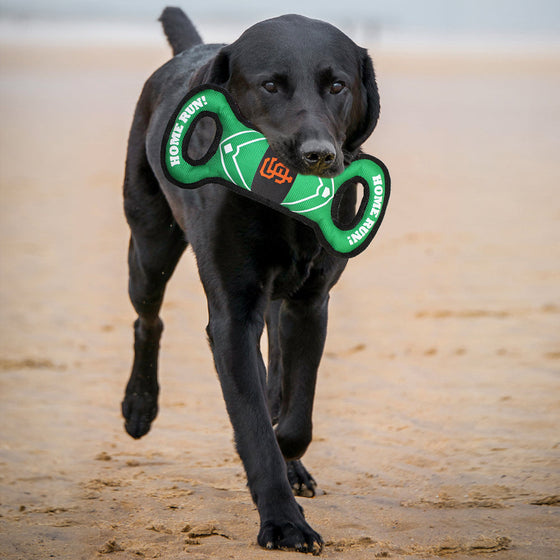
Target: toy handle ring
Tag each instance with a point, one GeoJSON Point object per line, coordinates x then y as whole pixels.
{"type": "Point", "coordinates": [358, 214]}
{"type": "Point", "coordinates": [212, 149]}
{"type": "Point", "coordinates": [350, 237]}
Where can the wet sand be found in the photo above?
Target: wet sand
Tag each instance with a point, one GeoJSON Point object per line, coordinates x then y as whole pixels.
{"type": "Point", "coordinates": [437, 411]}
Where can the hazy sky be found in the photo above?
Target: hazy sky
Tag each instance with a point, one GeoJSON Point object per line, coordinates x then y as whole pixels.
{"type": "Point", "coordinates": [500, 16]}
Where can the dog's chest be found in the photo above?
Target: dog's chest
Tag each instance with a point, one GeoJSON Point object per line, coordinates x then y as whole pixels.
{"type": "Point", "coordinates": [289, 280]}
{"type": "Point", "coordinates": [301, 259]}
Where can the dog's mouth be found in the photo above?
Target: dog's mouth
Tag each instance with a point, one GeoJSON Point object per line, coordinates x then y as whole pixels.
{"type": "Point", "coordinates": [321, 162]}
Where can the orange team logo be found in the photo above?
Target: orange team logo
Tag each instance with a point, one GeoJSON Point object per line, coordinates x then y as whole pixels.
{"type": "Point", "coordinates": [273, 169]}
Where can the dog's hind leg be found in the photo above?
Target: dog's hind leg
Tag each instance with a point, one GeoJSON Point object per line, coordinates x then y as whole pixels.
{"type": "Point", "coordinates": [156, 244]}
{"type": "Point", "coordinates": [146, 288]}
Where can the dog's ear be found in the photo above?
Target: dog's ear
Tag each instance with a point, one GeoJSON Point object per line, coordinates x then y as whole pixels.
{"type": "Point", "coordinates": [220, 68]}
{"type": "Point", "coordinates": [366, 106]}
{"type": "Point", "coordinates": [216, 71]}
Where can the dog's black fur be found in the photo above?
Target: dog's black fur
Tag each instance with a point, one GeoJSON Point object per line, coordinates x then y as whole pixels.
{"type": "Point", "coordinates": [312, 92]}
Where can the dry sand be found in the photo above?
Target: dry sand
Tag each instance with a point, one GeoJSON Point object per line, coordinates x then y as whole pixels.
{"type": "Point", "coordinates": [437, 414]}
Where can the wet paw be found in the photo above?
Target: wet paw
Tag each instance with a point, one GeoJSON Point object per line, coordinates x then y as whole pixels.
{"type": "Point", "coordinates": [302, 483]}
{"type": "Point", "coordinates": [299, 537]}
{"type": "Point", "coordinates": [139, 411]}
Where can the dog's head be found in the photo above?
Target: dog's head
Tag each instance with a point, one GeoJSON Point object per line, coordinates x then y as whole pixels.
{"type": "Point", "coordinates": [306, 86]}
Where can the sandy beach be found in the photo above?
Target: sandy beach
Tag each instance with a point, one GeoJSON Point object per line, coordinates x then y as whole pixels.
{"type": "Point", "coordinates": [436, 427]}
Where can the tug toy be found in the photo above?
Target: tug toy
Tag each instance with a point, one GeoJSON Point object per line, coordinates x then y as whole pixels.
{"type": "Point", "coordinates": [241, 159]}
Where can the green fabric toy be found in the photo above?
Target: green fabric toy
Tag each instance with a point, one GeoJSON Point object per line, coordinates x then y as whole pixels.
{"type": "Point", "coordinates": [241, 159]}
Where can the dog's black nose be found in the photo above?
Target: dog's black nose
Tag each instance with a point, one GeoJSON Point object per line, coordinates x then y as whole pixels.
{"type": "Point", "coordinates": [318, 157]}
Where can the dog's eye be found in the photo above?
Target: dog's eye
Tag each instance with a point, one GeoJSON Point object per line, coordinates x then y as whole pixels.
{"type": "Point", "coordinates": [337, 87]}
{"type": "Point", "coordinates": [270, 86]}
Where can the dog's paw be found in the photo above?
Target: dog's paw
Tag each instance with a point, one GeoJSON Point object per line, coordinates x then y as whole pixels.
{"type": "Point", "coordinates": [139, 411]}
{"type": "Point", "coordinates": [298, 536]}
{"type": "Point", "coordinates": [302, 483]}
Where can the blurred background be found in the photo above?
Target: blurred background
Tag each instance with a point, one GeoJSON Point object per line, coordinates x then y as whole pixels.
{"type": "Point", "coordinates": [474, 24]}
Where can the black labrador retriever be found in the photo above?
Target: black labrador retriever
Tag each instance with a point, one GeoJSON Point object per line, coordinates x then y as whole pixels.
{"type": "Point", "coordinates": [312, 92]}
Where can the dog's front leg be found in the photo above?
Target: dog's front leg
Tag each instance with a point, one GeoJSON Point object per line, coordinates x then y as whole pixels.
{"type": "Point", "coordinates": [302, 331]}
{"type": "Point", "coordinates": [234, 330]}
{"type": "Point", "coordinates": [299, 333]}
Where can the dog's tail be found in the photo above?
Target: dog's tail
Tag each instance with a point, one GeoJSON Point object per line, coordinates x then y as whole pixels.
{"type": "Point", "coordinates": [181, 33]}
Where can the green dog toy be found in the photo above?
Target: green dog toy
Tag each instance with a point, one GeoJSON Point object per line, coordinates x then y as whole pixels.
{"type": "Point", "coordinates": [241, 159]}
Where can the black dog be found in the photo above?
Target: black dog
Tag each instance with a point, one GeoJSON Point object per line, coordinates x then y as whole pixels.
{"type": "Point", "coordinates": [311, 91]}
